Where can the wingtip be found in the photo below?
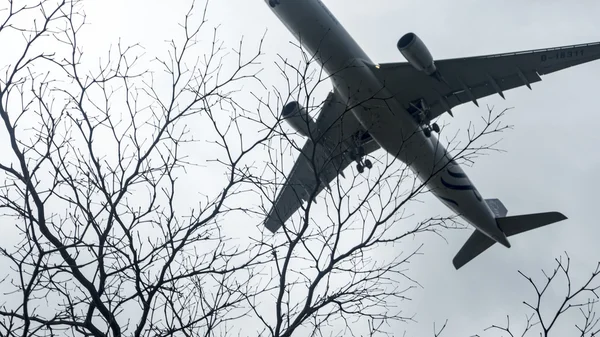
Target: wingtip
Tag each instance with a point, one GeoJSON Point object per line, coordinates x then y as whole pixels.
{"type": "Point", "coordinates": [272, 226]}
{"type": "Point", "coordinates": [559, 216]}
{"type": "Point", "coordinates": [457, 265]}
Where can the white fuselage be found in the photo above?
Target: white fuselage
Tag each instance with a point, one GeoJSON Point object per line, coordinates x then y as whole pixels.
{"type": "Point", "coordinates": [388, 122]}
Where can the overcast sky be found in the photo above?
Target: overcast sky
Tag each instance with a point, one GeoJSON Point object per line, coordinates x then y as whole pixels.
{"type": "Point", "coordinates": [551, 161]}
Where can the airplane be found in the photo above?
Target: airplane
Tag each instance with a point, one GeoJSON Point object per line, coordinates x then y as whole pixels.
{"type": "Point", "coordinates": [392, 106]}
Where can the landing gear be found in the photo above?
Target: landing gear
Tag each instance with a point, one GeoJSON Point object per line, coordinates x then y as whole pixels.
{"type": "Point", "coordinates": [420, 111]}
{"type": "Point", "coordinates": [427, 132]}
{"type": "Point", "coordinates": [357, 155]}
{"type": "Point", "coordinates": [427, 129]}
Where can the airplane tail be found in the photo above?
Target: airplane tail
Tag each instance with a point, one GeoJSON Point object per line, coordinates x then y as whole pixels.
{"type": "Point", "coordinates": [497, 207]}
{"type": "Point", "coordinates": [511, 225]}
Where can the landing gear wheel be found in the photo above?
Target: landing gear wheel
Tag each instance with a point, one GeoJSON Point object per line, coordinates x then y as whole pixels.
{"type": "Point", "coordinates": [435, 127]}
{"type": "Point", "coordinates": [427, 132]}
{"type": "Point", "coordinates": [360, 168]}
{"type": "Point", "coordinates": [368, 164]}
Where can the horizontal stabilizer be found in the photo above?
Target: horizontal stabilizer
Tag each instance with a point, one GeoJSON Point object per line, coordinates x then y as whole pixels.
{"type": "Point", "coordinates": [475, 245]}
{"type": "Point", "coordinates": [511, 225]}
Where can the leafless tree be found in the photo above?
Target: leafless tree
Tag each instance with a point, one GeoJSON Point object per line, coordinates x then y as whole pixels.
{"type": "Point", "coordinates": [102, 240]}
{"type": "Point", "coordinates": [560, 306]}
{"type": "Point", "coordinates": [341, 264]}
{"type": "Point", "coordinates": [103, 233]}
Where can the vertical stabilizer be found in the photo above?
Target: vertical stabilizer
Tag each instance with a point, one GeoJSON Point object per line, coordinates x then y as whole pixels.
{"type": "Point", "coordinates": [497, 207]}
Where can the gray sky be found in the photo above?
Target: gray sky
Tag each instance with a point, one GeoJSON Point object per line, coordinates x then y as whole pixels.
{"type": "Point", "coordinates": [550, 160]}
{"type": "Point", "coordinates": [551, 157]}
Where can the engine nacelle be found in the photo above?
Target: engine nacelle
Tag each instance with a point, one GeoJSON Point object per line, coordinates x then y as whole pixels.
{"type": "Point", "coordinates": [415, 52]}
{"type": "Point", "coordinates": [296, 115]}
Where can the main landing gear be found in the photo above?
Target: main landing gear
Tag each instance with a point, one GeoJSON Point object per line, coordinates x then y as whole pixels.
{"type": "Point", "coordinates": [357, 155]}
{"type": "Point", "coordinates": [428, 128]}
{"type": "Point", "coordinates": [420, 111]}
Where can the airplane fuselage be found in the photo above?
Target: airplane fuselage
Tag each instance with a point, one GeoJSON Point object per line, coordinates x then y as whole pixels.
{"type": "Point", "coordinates": [388, 122]}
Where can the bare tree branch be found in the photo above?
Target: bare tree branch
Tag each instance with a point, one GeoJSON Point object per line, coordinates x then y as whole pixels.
{"type": "Point", "coordinates": [93, 184]}
{"type": "Point", "coordinates": [544, 318]}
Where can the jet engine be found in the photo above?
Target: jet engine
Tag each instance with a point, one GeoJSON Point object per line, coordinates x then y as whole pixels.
{"type": "Point", "coordinates": [415, 52]}
{"type": "Point", "coordinates": [296, 115]}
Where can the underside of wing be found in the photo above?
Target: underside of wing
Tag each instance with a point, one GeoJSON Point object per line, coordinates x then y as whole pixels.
{"type": "Point", "coordinates": [327, 152]}
{"type": "Point", "coordinates": [445, 84]}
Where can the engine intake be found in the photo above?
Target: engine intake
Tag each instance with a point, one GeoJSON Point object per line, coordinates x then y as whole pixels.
{"type": "Point", "coordinates": [296, 115]}
{"type": "Point", "coordinates": [415, 52]}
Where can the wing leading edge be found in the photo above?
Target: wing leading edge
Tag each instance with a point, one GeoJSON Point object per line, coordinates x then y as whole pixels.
{"type": "Point", "coordinates": [469, 79]}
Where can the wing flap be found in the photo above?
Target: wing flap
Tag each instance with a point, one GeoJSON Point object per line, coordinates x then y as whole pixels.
{"type": "Point", "coordinates": [483, 89]}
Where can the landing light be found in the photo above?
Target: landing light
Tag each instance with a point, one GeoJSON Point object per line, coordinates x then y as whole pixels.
{"type": "Point", "coordinates": [377, 66]}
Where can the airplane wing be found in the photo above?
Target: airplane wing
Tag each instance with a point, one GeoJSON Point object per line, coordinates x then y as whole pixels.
{"type": "Point", "coordinates": [469, 79]}
{"type": "Point", "coordinates": [321, 160]}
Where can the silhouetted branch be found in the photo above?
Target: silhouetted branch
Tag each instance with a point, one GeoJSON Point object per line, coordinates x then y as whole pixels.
{"type": "Point", "coordinates": [330, 274]}
{"type": "Point", "coordinates": [543, 320]}
{"type": "Point", "coordinates": [107, 245]}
